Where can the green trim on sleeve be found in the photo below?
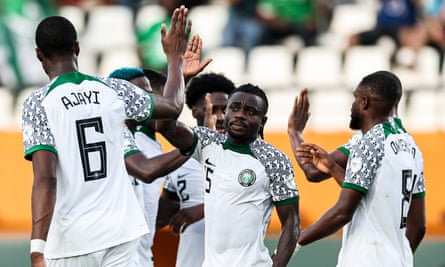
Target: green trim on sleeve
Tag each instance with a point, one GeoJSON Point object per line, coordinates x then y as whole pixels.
{"type": "Point", "coordinates": [151, 109]}
{"type": "Point", "coordinates": [131, 152]}
{"type": "Point", "coordinates": [28, 152]}
{"type": "Point", "coordinates": [419, 195]}
{"type": "Point", "coordinates": [344, 150]}
{"type": "Point", "coordinates": [355, 187]}
{"type": "Point", "coordinates": [287, 201]}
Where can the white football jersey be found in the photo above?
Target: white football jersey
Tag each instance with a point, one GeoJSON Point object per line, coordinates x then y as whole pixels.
{"type": "Point", "coordinates": [386, 166]}
{"type": "Point", "coordinates": [148, 194]}
{"type": "Point", "coordinates": [81, 119]}
{"type": "Point", "coordinates": [242, 182]}
{"type": "Point", "coordinates": [187, 182]}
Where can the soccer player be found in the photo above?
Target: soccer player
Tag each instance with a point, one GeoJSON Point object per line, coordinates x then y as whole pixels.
{"type": "Point", "coordinates": [181, 201]}
{"type": "Point", "coordinates": [382, 197]}
{"type": "Point", "coordinates": [244, 178]}
{"type": "Point", "coordinates": [73, 131]}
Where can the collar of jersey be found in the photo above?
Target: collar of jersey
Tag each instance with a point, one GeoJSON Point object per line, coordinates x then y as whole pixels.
{"type": "Point", "coordinates": [148, 132]}
{"type": "Point", "coordinates": [242, 149]}
{"type": "Point", "coordinates": [71, 77]}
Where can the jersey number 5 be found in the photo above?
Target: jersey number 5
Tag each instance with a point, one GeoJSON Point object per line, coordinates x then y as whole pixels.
{"type": "Point", "coordinates": [408, 182]}
{"type": "Point", "coordinates": [93, 155]}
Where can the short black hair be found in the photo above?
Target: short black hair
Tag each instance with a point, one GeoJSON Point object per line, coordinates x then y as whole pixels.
{"type": "Point", "coordinates": [255, 90]}
{"type": "Point", "coordinates": [56, 36]}
{"type": "Point", "coordinates": [204, 83]}
{"type": "Point", "coordinates": [157, 79]}
{"type": "Point", "coordinates": [385, 85]}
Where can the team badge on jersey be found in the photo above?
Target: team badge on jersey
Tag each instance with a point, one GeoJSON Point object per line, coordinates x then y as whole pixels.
{"type": "Point", "coordinates": [246, 177]}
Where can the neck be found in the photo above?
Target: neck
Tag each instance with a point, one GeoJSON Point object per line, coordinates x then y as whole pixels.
{"type": "Point", "coordinates": [62, 66]}
{"type": "Point", "coordinates": [372, 122]}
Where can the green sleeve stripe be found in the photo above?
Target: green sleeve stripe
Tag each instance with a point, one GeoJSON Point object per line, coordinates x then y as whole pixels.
{"type": "Point", "coordinates": [287, 201]}
{"type": "Point", "coordinates": [344, 150]}
{"type": "Point", "coordinates": [28, 152]}
{"type": "Point", "coordinates": [419, 195]}
{"type": "Point", "coordinates": [355, 187]}
{"type": "Point", "coordinates": [131, 152]}
{"type": "Point", "coordinates": [151, 109]}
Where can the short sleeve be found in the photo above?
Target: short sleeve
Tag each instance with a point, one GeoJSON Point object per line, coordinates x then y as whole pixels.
{"type": "Point", "coordinates": [36, 132]}
{"type": "Point", "coordinates": [130, 146]}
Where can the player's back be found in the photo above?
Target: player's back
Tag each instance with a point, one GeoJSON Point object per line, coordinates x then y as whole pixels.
{"type": "Point", "coordinates": [84, 118]}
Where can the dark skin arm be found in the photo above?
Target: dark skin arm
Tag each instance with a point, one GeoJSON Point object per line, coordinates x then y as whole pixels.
{"type": "Point", "coordinates": [415, 228]}
{"type": "Point", "coordinates": [290, 231]}
{"type": "Point", "coordinates": [43, 198]}
{"type": "Point", "coordinates": [184, 217]}
{"type": "Point", "coordinates": [148, 169]}
{"type": "Point", "coordinates": [324, 162]}
{"type": "Point", "coordinates": [296, 124]}
{"type": "Point", "coordinates": [334, 219]}
{"type": "Point", "coordinates": [168, 205]}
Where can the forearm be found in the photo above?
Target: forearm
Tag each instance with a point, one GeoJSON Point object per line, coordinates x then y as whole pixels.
{"type": "Point", "coordinates": [286, 245]}
{"type": "Point", "coordinates": [177, 133]}
{"type": "Point", "coordinates": [175, 85]}
{"type": "Point", "coordinates": [310, 171]}
{"type": "Point", "coordinates": [415, 227]}
{"type": "Point", "coordinates": [166, 209]}
{"type": "Point", "coordinates": [148, 169]}
{"type": "Point", "coordinates": [43, 201]}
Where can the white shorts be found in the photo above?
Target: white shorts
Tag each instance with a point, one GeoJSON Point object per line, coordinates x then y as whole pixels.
{"type": "Point", "coordinates": [123, 255]}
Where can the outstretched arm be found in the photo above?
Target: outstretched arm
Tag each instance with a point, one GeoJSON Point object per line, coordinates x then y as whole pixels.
{"type": "Point", "coordinates": [324, 162]}
{"type": "Point", "coordinates": [296, 124]}
{"type": "Point", "coordinates": [174, 43]}
{"type": "Point", "coordinates": [148, 169]}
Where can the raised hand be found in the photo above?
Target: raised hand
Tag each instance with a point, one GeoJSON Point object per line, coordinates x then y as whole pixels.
{"type": "Point", "coordinates": [174, 41]}
{"type": "Point", "coordinates": [192, 65]}
{"type": "Point", "coordinates": [209, 117]}
{"type": "Point", "coordinates": [311, 153]}
{"type": "Point", "coordinates": [300, 113]}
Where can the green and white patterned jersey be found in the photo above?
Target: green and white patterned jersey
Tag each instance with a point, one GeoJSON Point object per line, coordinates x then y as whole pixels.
{"type": "Point", "coordinates": [386, 166]}
{"type": "Point", "coordinates": [242, 182]}
{"type": "Point", "coordinates": [80, 118]}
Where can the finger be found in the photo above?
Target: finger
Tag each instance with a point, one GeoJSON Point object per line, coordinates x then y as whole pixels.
{"type": "Point", "coordinates": [189, 28]}
{"type": "Point", "coordinates": [174, 19]}
{"type": "Point", "coordinates": [205, 63]}
{"type": "Point", "coordinates": [163, 30]}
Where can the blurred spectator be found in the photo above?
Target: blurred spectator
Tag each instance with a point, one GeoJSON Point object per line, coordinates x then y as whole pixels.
{"type": "Point", "coordinates": [434, 17]}
{"type": "Point", "coordinates": [17, 19]}
{"type": "Point", "coordinates": [289, 17]}
{"type": "Point", "coordinates": [243, 28]}
{"type": "Point", "coordinates": [398, 20]}
{"type": "Point", "coordinates": [149, 39]}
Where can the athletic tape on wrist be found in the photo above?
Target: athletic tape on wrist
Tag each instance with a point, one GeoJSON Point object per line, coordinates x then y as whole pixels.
{"type": "Point", "coordinates": [37, 245]}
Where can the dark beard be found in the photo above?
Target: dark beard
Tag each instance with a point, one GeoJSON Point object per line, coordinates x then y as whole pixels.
{"type": "Point", "coordinates": [355, 123]}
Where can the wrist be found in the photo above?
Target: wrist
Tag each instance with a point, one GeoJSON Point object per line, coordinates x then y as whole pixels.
{"type": "Point", "coordinates": [37, 246]}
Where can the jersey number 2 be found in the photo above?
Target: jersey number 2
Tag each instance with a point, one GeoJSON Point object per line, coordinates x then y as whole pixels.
{"type": "Point", "coordinates": [88, 150]}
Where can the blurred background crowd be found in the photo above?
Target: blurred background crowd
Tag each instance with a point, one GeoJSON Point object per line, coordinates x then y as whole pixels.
{"type": "Point", "coordinates": [281, 45]}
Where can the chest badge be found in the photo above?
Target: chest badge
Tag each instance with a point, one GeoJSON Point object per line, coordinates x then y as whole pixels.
{"type": "Point", "coordinates": [246, 177]}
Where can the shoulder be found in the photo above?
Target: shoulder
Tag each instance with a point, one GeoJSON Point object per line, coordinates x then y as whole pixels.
{"type": "Point", "coordinates": [207, 136]}
{"type": "Point", "coordinates": [269, 155]}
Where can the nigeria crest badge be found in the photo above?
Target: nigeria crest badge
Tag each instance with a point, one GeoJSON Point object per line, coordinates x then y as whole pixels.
{"type": "Point", "coordinates": [246, 177]}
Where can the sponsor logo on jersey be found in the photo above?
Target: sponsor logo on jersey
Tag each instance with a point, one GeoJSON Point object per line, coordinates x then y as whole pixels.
{"type": "Point", "coordinates": [246, 177]}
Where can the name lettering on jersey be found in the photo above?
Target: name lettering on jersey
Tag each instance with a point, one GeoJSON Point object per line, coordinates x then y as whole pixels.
{"type": "Point", "coordinates": [80, 98]}
{"type": "Point", "coordinates": [247, 177]}
{"type": "Point", "coordinates": [402, 145]}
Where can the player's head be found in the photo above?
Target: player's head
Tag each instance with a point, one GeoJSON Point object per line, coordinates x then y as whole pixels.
{"type": "Point", "coordinates": [55, 37]}
{"type": "Point", "coordinates": [246, 113]}
{"type": "Point", "coordinates": [219, 88]}
{"type": "Point", "coordinates": [134, 75]}
{"type": "Point", "coordinates": [375, 97]}
{"type": "Point", "coordinates": [157, 80]}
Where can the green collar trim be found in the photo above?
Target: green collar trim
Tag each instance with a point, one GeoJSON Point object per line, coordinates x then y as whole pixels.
{"type": "Point", "coordinates": [148, 132]}
{"type": "Point", "coordinates": [242, 149]}
{"type": "Point", "coordinates": [72, 77]}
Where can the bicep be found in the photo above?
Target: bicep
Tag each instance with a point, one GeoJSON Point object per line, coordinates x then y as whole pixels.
{"type": "Point", "coordinates": [44, 164]}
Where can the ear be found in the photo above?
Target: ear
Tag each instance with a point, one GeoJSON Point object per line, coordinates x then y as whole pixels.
{"type": "Point", "coordinates": [364, 102]}
{"type": "Point", "coordinates": [76, 48]}
{"type": "Point", "coordinates": [194, 112]}
{"type": "Point", "coordinates": [264, 120]}
{"type": "Point", "coordinates": [39, 55]}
